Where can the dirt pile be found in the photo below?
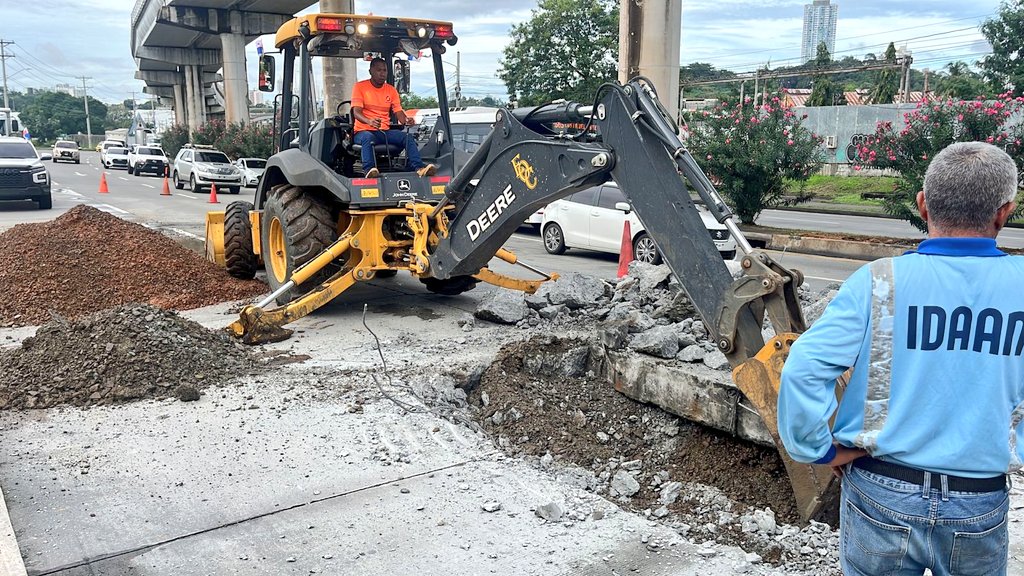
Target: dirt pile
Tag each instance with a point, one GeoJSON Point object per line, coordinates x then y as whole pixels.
{"type": "Point", "coordinates": [125, 353]}
{"type": "Point", "coordinates": [540, 399]}
{"type": "Point", "coordinates": [87, 260]}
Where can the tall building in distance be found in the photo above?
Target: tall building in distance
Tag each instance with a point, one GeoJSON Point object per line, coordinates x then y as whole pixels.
{"type": "Point", "coordinates": [819, 26]}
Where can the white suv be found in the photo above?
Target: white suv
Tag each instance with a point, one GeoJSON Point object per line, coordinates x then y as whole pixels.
{"type": "Point", "coordinates": [202, 167]}
{"type": "Point", "coordinates": [147, 159]}
{"type": "Point", "coordinates": [23, 175]}
{"type": "Point", "coordinates": [594, 219]}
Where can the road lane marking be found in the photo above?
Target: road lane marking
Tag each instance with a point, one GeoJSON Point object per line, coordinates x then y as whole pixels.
{"type": "Point", "coordinates": [70, 192]}
{"type": "Point", "coordinates": [109, 208]}
{"type": "Point", "coordinates": [184, 233]}
{"type": "Point", "coordinates": [123, 178]}
{"type": "Point", "coordinates": [803, 220]}
{"type": "Point", "coordinates": [148, 186]}
{"type": "Point", "coordinates": [79, 174]}
{"type": "Point", "coordinates": [188, 196]}
{"type": "Point", "coordinates": [825, 279]}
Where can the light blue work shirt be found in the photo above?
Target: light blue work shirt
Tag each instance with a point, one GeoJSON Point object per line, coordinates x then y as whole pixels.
{"type": "Point", "coordinates": [938, 378]}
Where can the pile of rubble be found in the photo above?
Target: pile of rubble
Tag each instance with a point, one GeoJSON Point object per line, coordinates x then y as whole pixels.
{"type": "Point", "coordinates": [125, 353]}
{"type": "Point", "coordinates": [646, 311]}
{"type": "Point", "coordinates": [87, 260]}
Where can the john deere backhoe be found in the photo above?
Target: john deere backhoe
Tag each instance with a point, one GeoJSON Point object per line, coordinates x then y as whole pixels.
{"type": "Point", "coordinates": [319, 225]}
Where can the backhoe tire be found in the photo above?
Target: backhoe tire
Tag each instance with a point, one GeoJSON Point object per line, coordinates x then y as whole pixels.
{"type": "Point", "coordinates": [238, 253]}
{"type": "Point", "coordinates": [452, 286]}
{"type": "Point", "coordinates": [296, 228]}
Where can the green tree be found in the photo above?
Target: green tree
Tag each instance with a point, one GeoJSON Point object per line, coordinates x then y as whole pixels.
{"type": "Point", "coordinates": [825, 92]}
{"type": "Point", "coordinates": [753, 153]}
{"type": "Point", "coordinates": [1004, 67]}
{"type": "Point", "coordinates": [413, 102]}
{"type": "Point", "coordinates": [54, 114]}
{"type": "Point", "coordinates": [930, 128]}
{"type": "Point", "coordinates": [887, 83]}
{"type": "Point", "coordinates": [251, 140]}
{"type": "Point", "coordinates": [701, 72]}
{"type": "Point", "coordinates": [961, 83]}
{"type": "Point", "coordinates": [566, 50]}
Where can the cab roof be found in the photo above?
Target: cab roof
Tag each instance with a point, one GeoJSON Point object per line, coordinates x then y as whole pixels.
{"type": "Point", "coordinates": [378, 30]}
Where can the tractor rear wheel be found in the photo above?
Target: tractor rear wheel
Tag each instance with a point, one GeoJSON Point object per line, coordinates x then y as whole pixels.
{"type": "Point", "coordinates": [295, 228]}
{"type": "Point", "coordinates": [238, 253]}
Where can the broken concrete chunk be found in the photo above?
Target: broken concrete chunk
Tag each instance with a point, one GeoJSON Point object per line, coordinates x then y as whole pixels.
{"type": "Point", "coordinates": [670, 492]}
{"type": "Point", "coordinates": [491, 506]}
{"type": "Point", "coordinates": [624, 484]}
{"type": "Point", "coordinates": [716, 361]}
{"type": "Point", "coordinates": [613, 334]}
{"type": "Point", "coordinates": [503, 307]}
{"type": "Point", "coordinates": [660, 341]}
{"type": "Point", "coordinates": [551, 312]}
{"type": "Point", "coordinates": [575, 290]}
{"type": "Point", "coordinates": [537, 301]}
{"type": "Point", "coordinates": [649, 276]}
{"type": "Point", "coordinates": [692, 353]}
{"type": "Point", "coordinates": [551, 512]}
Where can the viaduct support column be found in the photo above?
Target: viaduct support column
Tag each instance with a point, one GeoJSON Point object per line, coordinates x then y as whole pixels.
{"type": "Point", "coordinates": [339, 73]}
{"type": "Point", "coordinates": [649, 46]}
{"type": "Point", "coordinates": [193, 98]}
{"type": "Point", "coordinates": [180, 110]}
{"type": "Point", "coordinates": [236, 87]}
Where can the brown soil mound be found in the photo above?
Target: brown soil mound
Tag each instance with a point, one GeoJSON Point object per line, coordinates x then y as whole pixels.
{"type": "Point", "coordinates": [121, 354]}
{"type": "Point", "coordinates": [584, 421]}
{"type": "Point", "coordinates": [87, 260]}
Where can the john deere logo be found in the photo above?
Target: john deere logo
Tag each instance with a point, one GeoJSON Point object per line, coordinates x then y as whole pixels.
{"type": "Point", "coordinates": [404, 186]}
{"type": "Point", "coordinates": [524, 172]}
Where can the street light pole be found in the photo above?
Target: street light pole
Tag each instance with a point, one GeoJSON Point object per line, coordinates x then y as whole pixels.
{"type": "Point", "coordinates": [3, 64]}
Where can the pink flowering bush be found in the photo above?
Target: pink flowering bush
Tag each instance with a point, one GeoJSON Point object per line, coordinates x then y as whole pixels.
{"type": "Point", "coordinates": [932, 126]}
{"type": "Point", "coordinates": [751, 151]}
{"type": "Point", "coordinates": [250, 140]}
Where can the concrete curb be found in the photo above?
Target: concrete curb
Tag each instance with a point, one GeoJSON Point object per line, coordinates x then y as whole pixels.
{"type": "Point", "coordinates": [11, 563]}
{"type": "Point", "coordinates": [825, 246]}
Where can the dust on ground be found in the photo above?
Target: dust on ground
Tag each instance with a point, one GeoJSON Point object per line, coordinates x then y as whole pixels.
{"type": "Point", "coordinates": [125, 353]}
{"type": "Point", "coordinates": [87, 260]}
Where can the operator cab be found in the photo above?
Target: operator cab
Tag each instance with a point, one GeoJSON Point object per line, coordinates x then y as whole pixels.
{"type": "Point", "coordinates": [330, 140]}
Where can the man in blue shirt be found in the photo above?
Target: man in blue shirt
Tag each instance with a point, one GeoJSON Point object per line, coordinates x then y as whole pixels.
{"type": "Point", "coordinates": [929, 425]}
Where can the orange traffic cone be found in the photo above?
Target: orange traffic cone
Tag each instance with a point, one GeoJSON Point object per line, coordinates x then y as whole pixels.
{"type": "Point", "coordinates": [103, 183]}
{"type": "Point", "coordinates": [626, 250]}
{"type": "Point", "coordinates": [167, 189]}
{"type": "Point", "coordinates": [213, 194]}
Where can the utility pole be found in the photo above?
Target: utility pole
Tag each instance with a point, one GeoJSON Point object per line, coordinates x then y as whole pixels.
{"type": "Point", "coordinates": [88, 123]}
{"type": "Point", "coordinates": [3, 63]}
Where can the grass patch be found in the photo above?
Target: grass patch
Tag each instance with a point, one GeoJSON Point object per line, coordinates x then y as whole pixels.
{"type": "Point", "coordinates": [849, 190]}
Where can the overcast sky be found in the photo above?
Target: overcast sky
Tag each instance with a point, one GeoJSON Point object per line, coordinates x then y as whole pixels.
{"type": "Point", "coordinates": [72, 38]}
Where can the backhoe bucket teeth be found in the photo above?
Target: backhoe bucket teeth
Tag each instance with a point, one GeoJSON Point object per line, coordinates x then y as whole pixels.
{"type": "Point", "coordinates": [254, 327]}
{"type": "Point", "coordinates": [814, 486]}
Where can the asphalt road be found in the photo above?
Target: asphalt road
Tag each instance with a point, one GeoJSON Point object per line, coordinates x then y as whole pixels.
{"type": "Point", "coordinates": [139, 199]}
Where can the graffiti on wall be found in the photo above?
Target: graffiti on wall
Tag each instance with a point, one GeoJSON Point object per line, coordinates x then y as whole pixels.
{"type": "Point", "coordinates": [856, 141]}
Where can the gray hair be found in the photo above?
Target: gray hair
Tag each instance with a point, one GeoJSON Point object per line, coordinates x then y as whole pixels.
{"type": "Point", "coordinates": [966, 183]}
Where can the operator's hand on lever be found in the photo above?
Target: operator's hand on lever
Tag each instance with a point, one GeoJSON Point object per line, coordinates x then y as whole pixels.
{"type": "Point", "coordinates": [843, 457]}
{"type": "Point", "coordinates": [375, 123]}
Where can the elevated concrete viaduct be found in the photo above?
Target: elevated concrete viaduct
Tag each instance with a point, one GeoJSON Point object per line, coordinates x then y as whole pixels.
{"type": "Point", "coordinates": [186, 49]}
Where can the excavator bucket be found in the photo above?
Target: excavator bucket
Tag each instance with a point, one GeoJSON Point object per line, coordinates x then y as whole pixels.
{"type": "Point", "coordinates": [814, 487]}
{"type": "Point", "coordinates": [215, 238]}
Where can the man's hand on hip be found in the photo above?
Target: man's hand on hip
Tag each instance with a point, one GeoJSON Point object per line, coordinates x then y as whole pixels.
{"type": "Point", "coordinates": [843, 457]}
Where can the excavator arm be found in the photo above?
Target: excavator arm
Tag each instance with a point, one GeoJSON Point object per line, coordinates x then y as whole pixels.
{"type": "Point", "coordinates": [521, 167]}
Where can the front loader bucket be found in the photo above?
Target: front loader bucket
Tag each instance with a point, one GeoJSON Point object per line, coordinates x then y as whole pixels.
{"type": "Point", "coordinates": [759, 379]}
{"type": "Point", "coordinates": [215, 238]}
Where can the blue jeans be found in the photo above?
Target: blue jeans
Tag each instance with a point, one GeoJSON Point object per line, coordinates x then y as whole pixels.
{"type": "Point", "coordinates": [889, 526]}
{"type": "Point", "coordinates": [368, 138]}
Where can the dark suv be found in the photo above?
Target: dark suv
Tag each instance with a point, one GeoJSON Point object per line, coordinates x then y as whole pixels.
{"type": "Point", "coordinates": [23, 175]}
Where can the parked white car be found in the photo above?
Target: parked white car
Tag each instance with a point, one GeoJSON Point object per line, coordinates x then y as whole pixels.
{"type": "Point", "coordinates": [114, 157]}
{"type": "Point", "coordinates": [594, 219]}
{"type": "Point", "coordinates": [252, 170]}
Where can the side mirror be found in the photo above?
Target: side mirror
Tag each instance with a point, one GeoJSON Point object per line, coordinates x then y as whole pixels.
{"type": "Point", "coordinates": [402, 79]}
{"type": "Point", "coordinates": [268, 70]}
{"type": "Point", "coordinates": [623, 206]}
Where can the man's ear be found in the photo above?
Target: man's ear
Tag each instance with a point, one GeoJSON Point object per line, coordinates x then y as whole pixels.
{"type": "Point", "coordinates": [1004, 213]}
{"type": "Point", "coordinates": [921, 207]}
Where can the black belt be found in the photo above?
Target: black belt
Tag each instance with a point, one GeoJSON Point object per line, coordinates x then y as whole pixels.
{"type": "Point", "coordinates": [915, 476]}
